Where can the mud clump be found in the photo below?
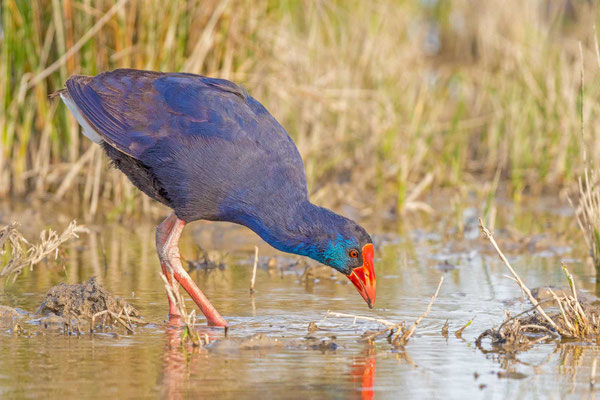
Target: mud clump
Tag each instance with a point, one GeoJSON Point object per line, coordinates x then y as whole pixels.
{"type": "Point", "coordinates": [87, 302]}
{"type": "Point", "coordinates": [9, 317]}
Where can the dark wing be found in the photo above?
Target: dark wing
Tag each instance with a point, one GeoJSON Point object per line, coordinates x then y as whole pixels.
{"type": "Point", "coordinates": [204, 138]}
{"type": "Point", "coordinates": [132, 109]}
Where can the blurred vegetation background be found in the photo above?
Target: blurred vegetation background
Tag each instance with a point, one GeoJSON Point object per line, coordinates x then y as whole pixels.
{"type": "Point", "coordinates": [384, 98]}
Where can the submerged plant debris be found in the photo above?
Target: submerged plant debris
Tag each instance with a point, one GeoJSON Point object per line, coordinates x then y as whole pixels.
{"type": "Point", "coordinates": [397, 334]}
{"type": "Point", "coordinates": [88, 303]}
{"type": "Point", "coordinates": [515, 334]}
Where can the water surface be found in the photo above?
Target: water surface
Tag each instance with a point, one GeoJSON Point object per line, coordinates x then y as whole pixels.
{"type": "Point", "coordinates": [410, 259]}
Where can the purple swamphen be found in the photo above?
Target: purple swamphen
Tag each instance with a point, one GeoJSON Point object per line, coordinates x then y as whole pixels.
{"type": "Point", "coordinates": [208, 150]}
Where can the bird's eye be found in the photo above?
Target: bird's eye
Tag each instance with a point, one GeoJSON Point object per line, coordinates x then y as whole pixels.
{"type": "Point", "coordinates": [354, 253]}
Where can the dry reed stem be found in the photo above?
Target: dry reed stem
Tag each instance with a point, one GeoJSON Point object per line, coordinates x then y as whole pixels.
{"type": "Point", "coordinates": [120, 320]}
{"type": "Point", "coordinates": [401, 341]}
{"type": "Point", "coordinates": [188, 319]}
{"type": "Point", "coordinates": [523, 313]}
{"type": "Point", "coordinates": [587, 214]}
{"type": "Point", "coordinates": [357, 317]}
{"type": "Point", "coordinates": [254, 269]}
{"type": "Point", "coordinates": [588, 211]}
{"type": "Point", "coordinates": [386, 330]}
{"type": "Point", "coordinates": [406, 334]}
{"type": "Point", "coordinates": [98, 314]}
{"type": "Point", "coordinates": [562, 310]}
{"type": "Point", "coordinates": [524, 288]}
{"type": "Point", "coordinates": [115, 318]}
{"type": "Point", "coordinates": [69, 178]}
{"type": "Point", "coordinates": [77, 46]}
{"type": "Point", "coordinates": [593, 373]}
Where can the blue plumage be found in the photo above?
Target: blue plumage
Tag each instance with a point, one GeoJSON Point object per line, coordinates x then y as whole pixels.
{"type": "Point", "coordinates": [210, 151]}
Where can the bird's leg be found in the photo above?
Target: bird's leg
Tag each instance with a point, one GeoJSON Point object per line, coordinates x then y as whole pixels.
{"type": "Point", "coordinates": [162, 233]}
{"type": "Point", "coordinates": [168, 252]}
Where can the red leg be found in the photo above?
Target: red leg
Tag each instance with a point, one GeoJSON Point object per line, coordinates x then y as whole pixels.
{"type": "Point", "coordinates": [168, 252]}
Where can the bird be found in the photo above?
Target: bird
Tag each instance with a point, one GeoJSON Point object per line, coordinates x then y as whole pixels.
{"type": "Point", "coordinates": [208, 150]}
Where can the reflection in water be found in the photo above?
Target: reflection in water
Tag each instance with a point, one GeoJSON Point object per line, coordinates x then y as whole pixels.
{"type": "Point", "coordinates": [362, 371]}
{"type": "Point", "coordinates": [187, 369]}
{"type": "Point", "coordinates": [180, 358]}
{"type": "Point", "coordinates": [175, 364]}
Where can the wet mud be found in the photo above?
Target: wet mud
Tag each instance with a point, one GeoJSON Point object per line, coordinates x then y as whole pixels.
{"type": "Point", "coordinates": [83, 300]}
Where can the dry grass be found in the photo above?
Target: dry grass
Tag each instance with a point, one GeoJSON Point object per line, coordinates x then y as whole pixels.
{"type": "Point", "coordinates": [377, 95]}
{"type": "Point", "coordinates": [188, 319]}
{"type": "Point", "coordinates": [588, 214]}
{"type": "Point", "coordinates": [22, 253]}
{"type": "Point", "coordinates": [587, 210]}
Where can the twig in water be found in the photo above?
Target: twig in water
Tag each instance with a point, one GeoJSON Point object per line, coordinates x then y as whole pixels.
{"type": "Point", "coordinates": [593, 374]}
{"type": "Point", "coordinates": [254, 270]}
{"type": "Point", "coordinates": [336, 314]}
{"type": "Point", "coordinates": [401, 341]}
{"type": "Point", "coordinates": [410, 332]}
{"type": "Point", "coordinates": [120, 320]}
{"type": "Point", "coordinates": [445, 329]}
{"type": "Point", "coordinates": [388, 329]}
{"type": "Point", "coordinates": [524, 288]}
{"type": "Point", "coordinates": [93, 323]}
{"type": "Point", "coordinates": [524, 312]}
{"type": "Point", "coordinates": [188, 319]}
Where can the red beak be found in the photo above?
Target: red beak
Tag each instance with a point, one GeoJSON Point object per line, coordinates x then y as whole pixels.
{"type": "Point", "coordinates": [364, 277]}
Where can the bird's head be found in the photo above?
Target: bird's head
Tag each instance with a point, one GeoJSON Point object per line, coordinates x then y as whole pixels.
{"type": "Point", "coordinates": [356, 262]}
{"type": "Point", "coordinates": [345, 246]}
{"type": "Point", "coordinates": [326, 237]}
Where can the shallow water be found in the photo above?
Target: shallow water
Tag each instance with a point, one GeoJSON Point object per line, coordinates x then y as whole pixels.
{"type": "Point", "coordinates": [409, 262]}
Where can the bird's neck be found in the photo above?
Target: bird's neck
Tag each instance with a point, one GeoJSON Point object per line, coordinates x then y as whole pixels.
{"type": "Point", "coordinates": [301, 228]}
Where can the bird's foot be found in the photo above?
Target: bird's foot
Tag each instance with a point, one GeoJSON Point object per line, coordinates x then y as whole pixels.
{"type": "Point", "coordinates": [167, 237]}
